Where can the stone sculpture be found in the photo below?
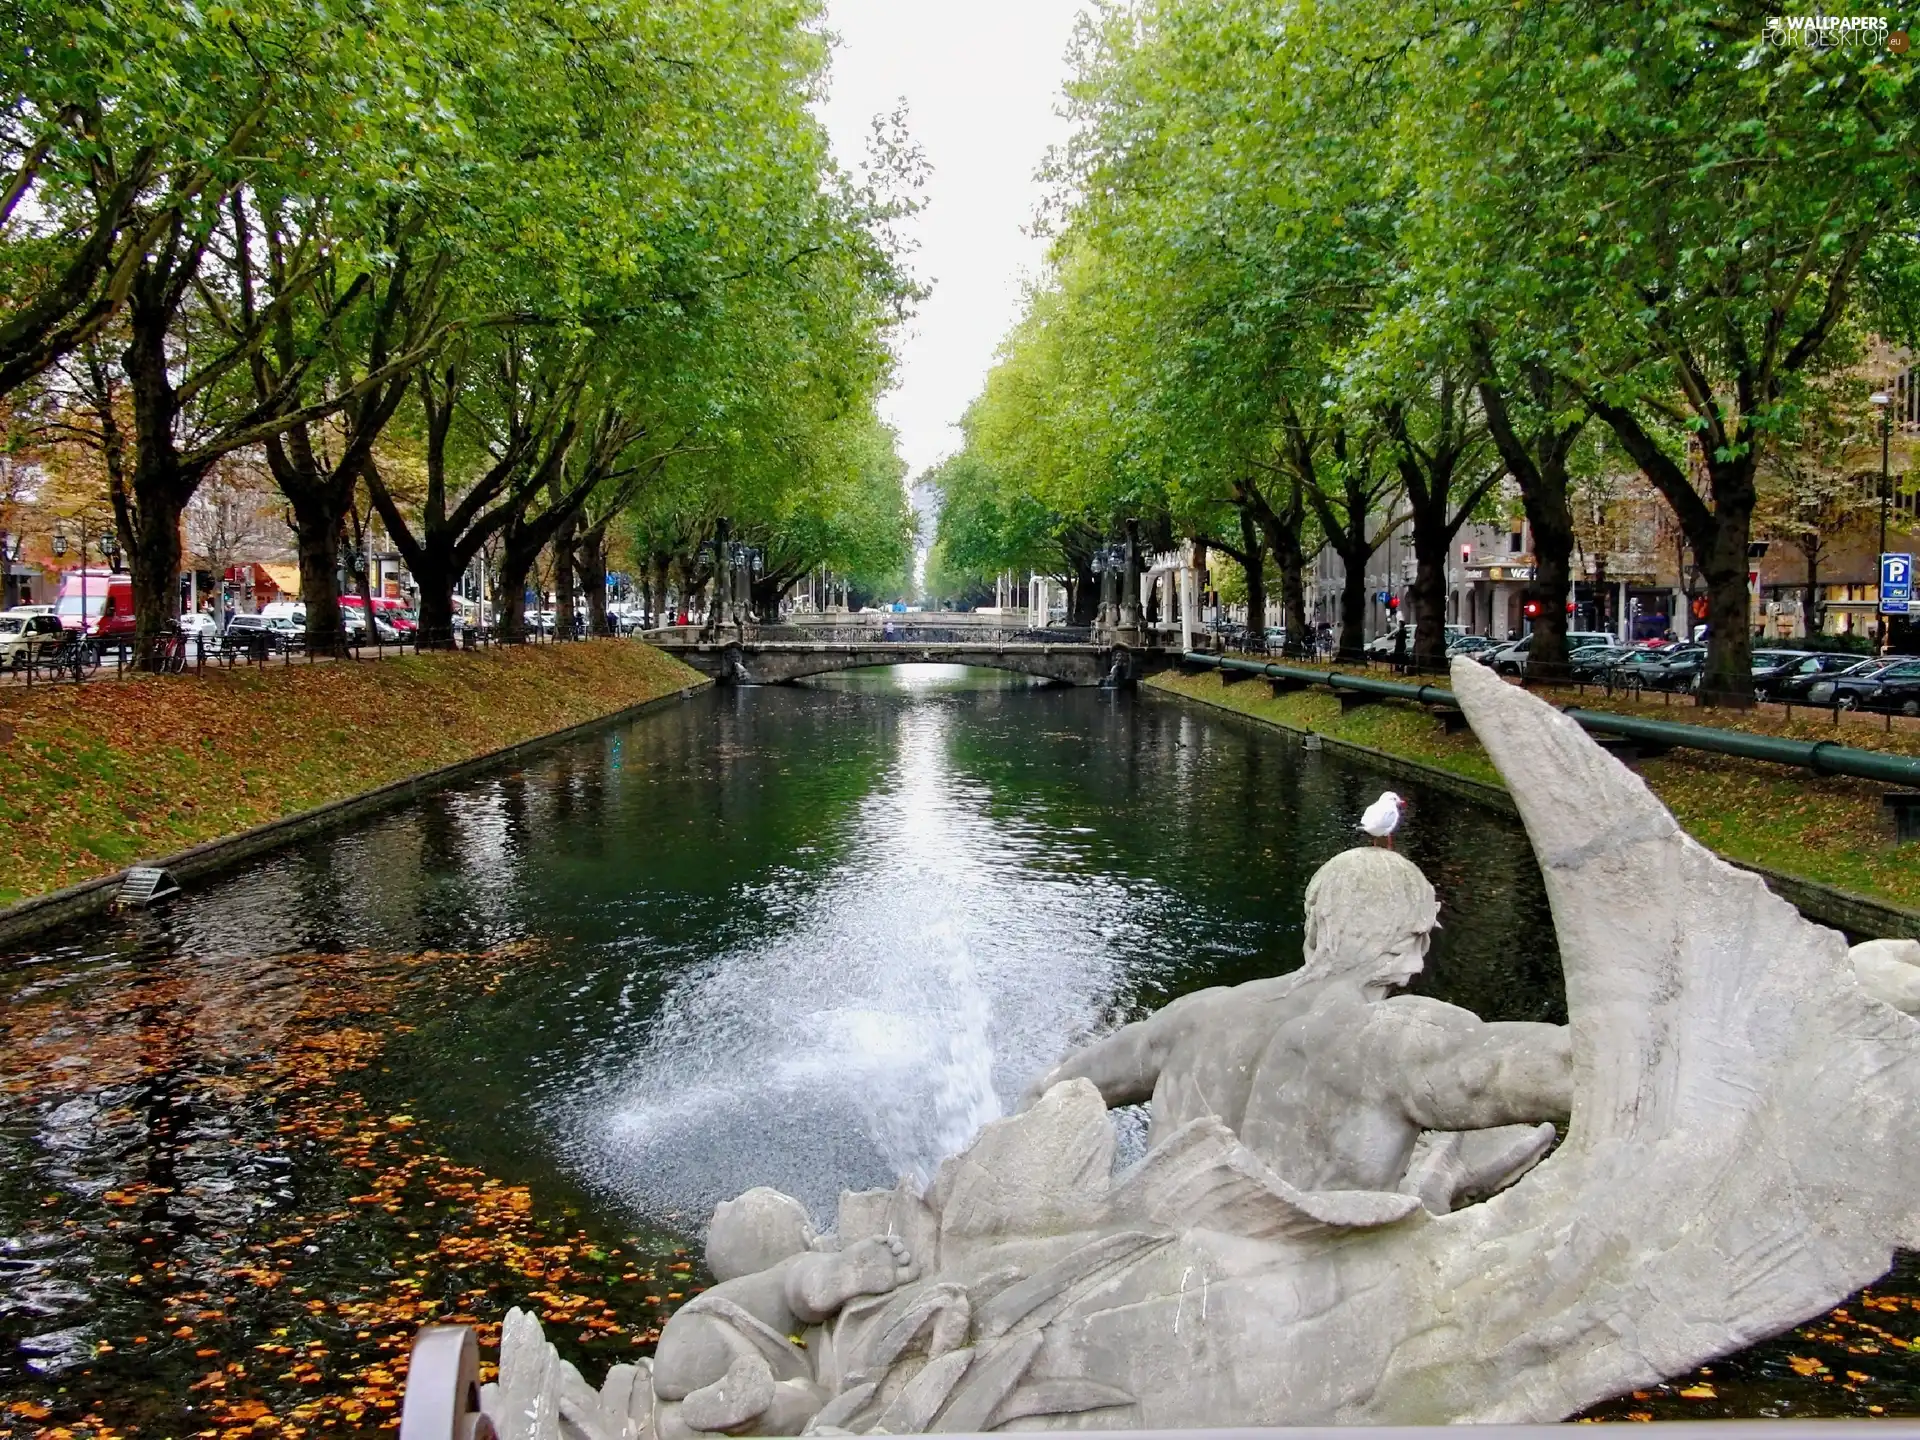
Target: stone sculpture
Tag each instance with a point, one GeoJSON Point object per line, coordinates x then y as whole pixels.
{"type": "Point", "coordinates": [1343, 1215]}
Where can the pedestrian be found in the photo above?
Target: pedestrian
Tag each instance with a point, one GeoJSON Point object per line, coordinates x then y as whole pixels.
{"type": "Point", "coordinates": [1400, 650]}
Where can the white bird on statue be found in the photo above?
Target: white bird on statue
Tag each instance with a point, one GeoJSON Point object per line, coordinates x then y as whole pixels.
{"type": "Point", "coordinates": [1382, 818]}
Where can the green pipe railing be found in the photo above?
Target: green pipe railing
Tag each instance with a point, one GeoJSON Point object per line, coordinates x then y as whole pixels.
{"type": "Point", "coordinates": [1823, 757]}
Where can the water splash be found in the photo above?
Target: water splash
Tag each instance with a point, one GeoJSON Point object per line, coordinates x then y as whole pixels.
{"type": "Point", "coordinates": [902, 1005]}
{"type": "Point", "coordinates": [915, 1132]}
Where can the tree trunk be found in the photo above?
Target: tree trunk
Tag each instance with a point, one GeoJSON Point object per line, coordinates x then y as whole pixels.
{"type": "Point", "coordinates": [1353, 605]}
{"type": "Point", "coordinates": [564, 593]}
{"type": "Point", "coordinates": [154, 563]}
{"type": "Point", "coordinates": [1729, 674]}
{"type": "Point", "coordinates": [512, 620]}
{"type": "Point", "coordinates": [593, 578]}
{"type": "Point", "coordinates": [161, 484]}
{"type": "Point", "coordinates": [517, 557]}
{"type": "Point", "coordinates": [1256, 571]}
{"type": "Point", "coordinates": [1550, 587]}
{"type": "Point", "coordinates": [1538, 462]}
{"type": "Point", "coordinates": [1810, 607]}
{"type": "Point", "coordinates": [436, 604]}
{"type": "Point", "coordinates": [660, 569]}
{"type": "Point", "coordinates": [1719, 534]}
{"type": "Point", "coordinates": [1293, 600]}
{"type": "Point", "coordinates": [1083, 600]}
{"type": "Point", "coordinates": [1282, 528]}
{"type": "Point", "coordinates": [316, 528]}
{"type": "Point", "coordinates": [1432, 539]}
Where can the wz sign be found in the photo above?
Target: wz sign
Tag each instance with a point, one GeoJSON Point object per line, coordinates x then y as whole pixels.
{"type": "Point", "coordinates": [1896, 584]}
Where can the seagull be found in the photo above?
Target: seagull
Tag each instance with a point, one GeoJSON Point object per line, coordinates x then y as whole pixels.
{"type": "Point", "coordinates": [1382, 818]}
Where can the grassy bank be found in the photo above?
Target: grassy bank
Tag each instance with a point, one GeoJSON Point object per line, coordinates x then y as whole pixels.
{"type": "Point", "coordinates": [102, 775]}
{"type": "Point", "coordinates": [1820, 828]}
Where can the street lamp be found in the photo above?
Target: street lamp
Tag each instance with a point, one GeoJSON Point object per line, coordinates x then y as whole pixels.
{"type": "Point", "coordinates": [110, 547]}
{"type": "Point", "coordinates": [1885, 401]}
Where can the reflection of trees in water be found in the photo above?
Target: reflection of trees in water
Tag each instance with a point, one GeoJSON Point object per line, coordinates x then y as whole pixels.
{"type": "Point", "coordinates": [1223, 823]}
{"type": "Point", "coordinates": [141, 1155]}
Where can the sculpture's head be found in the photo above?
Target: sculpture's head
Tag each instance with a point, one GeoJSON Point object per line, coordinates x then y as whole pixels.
{"type": "Point", "coordinates": [755, 1232]}
{"type": "Point", "coordinates": [1370, 916]}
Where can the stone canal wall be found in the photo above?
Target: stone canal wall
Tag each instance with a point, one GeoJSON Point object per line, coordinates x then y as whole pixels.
{"type": "Point", "coordinates": [1825, 843]}
{"type": "Point", "coordinates": [196, 772]}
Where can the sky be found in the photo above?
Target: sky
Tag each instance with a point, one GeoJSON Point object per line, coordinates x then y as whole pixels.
{"type": "Point", "coordinates": [982, 80]}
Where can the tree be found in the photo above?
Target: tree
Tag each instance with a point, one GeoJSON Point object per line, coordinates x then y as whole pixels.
{"type": "Point", "coordinates": [846, 512]}
{"type": "Point", "coordinates": [1812, 486]}
{"type": "Point", "coordinates": [122, 117]}
{"type": "Point", "coordinates": [1689, 207]}
{"type": "Point", "coordinates": [236, 511]}
{"type": "Point", "coordinates": [1444, 455]}
{"type": "Point", "coordinates": [479, 467]}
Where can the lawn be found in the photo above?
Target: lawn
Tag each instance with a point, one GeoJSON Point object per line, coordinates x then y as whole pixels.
{"type": "Point", "coordinates": [102, 775]}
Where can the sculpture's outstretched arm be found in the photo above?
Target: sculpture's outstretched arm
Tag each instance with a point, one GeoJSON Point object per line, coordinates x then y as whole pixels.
{"type": "Point", "coordinates": [1465, 1073]}
{"type": "Point", "coordinates": [1124, 1067]}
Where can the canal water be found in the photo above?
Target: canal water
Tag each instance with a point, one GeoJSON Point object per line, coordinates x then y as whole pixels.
{"type": "Point", "coordinates": [510, 1044]}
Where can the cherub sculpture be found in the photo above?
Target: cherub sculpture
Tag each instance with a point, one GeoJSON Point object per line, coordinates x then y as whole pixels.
{"type": "Point", "coordinates": [729, 1360]}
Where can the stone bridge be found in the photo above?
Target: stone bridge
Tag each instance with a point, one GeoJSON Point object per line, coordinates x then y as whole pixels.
{"type": "Point", "coordinates": [756, 659]}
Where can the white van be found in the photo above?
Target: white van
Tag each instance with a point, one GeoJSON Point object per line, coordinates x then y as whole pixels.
{"type": "Point", "coordinates": [286, 615]}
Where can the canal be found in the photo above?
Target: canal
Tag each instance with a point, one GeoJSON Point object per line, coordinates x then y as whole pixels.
{"type": "Point", "coordinates": [510, 1044]}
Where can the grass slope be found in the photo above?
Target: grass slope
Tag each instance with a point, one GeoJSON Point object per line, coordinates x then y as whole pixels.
{"type": "Point", "coordinates": [1819, 828]}
{"type": "Point", "coordinates": [99, 776]}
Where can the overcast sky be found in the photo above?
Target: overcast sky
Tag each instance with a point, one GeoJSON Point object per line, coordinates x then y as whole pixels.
{"type": "Point", "coordinates": [982, 81]}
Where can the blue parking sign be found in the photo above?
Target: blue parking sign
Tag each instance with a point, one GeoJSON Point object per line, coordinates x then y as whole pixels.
{"type": "Point", "coordinates": [1896, 583]}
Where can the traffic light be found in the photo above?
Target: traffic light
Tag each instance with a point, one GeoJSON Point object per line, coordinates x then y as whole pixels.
{"type": "Point", "coordinates": [1530, 609]}
{"type": "Point", "coordinates": [1394, 604]}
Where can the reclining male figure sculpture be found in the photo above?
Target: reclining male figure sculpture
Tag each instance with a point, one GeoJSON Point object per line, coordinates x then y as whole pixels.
{"type": "Point", "coordinates": [1325, 1074]}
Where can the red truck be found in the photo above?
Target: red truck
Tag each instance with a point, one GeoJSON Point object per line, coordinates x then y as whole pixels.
{"type": "Point", "coordinates": [387, 608]}
{"type": "Point", "coordinates": [98, 603]}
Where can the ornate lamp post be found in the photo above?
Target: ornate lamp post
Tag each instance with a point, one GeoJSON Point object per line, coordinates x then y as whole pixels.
{"type": "Point", "coordinates": [59, 552]}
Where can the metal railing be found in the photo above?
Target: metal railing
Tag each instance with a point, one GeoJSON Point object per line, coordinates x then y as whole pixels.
{"type": "Point", "coordinates": [1823, 757]}
{"type": "Point", "coordinates": [874, 634]}
{"type": "Point", "coordinates": [81, 660]}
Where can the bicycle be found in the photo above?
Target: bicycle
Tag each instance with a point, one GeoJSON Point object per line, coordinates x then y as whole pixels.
{"type": "Point", "coordinates": [170, 654]}
{"type": "Point", "coordinates": [75, 656]}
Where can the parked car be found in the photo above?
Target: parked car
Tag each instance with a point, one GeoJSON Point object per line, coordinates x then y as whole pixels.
{"type": "Point", "coordinates": [1468, 644]}
{"type": "Point", "coordinates": [355, 624]}
{"type": "Point", "coordinates": [1590, 663]}
{"type": "Point", "coordinates": [1793, 681]}
{"type": "Point", "coordinates": [286, 614]}
{"type": "Point", "coordinates": [392, 612]}
{"type": "Point", "coordinates": [1514, 660]}
{"type": "Point", "coordinates": [1895, 688]}
{"type": "Point", "coordinates": [1680, 669]}
{"type": "Point", "coordinates": [197, 625]}
{"type": "Point", "coordinates": [25, 638]}
{"type": "Point", "coordinates": [1637, 666]}
{"type": "Point", "coordinates": [1381, 646]}
{"type": "Point", "coordinates": [255, 632]}
{"type": "Point", "coordinates": [1771, 664]}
